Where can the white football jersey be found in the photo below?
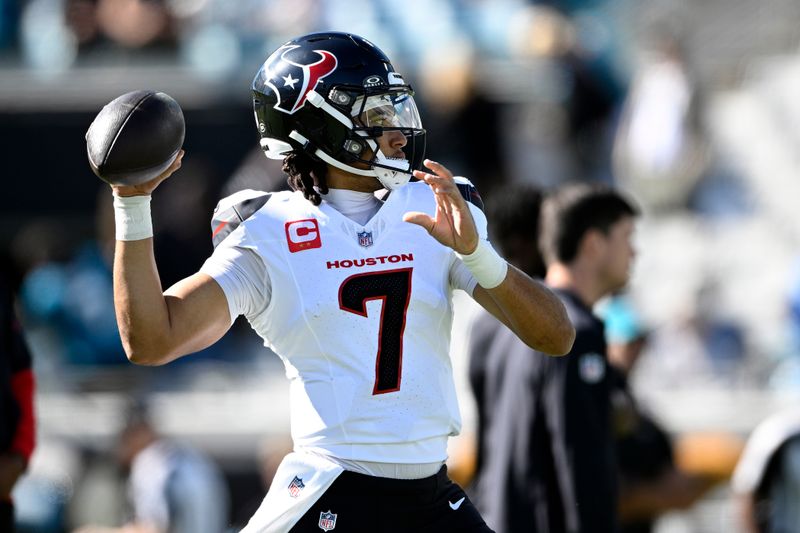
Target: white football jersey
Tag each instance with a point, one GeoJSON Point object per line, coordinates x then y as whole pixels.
{"type": "Point", "coordinates": [359, 314]}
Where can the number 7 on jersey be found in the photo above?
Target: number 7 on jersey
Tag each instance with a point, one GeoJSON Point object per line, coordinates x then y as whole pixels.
{"type": "Point", "coordinates": [393, 288]}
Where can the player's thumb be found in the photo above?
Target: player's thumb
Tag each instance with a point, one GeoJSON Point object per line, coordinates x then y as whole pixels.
{"type": "Point", "coordinates": [420, 219]}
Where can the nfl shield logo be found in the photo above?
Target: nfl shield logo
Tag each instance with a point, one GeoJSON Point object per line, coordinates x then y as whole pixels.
{"type": "Point", "coordinates": [592, 367]}
{"type": "Point", "coordinates": [365, 238]}
{"type": "Point", "coordinates": [296, 486]}
{"type": "Point", "coordinates": [327, 521]}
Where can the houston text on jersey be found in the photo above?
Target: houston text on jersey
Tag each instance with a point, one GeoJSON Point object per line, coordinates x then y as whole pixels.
{"type": "Point", "coordinates": [370, 261]}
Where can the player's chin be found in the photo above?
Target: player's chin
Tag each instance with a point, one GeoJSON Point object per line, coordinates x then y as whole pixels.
{"type": "Point", "coordinates": [620, 282]}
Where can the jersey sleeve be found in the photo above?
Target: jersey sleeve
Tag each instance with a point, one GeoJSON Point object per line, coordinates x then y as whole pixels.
{"type": "Point", "coordinates": [235, 266]}
{"type": "Point", "coordinates": [242, 274]}
{"type": "Point", "coordinates": [232, 210]}
{"type": "Point", "coordinates": [475, 204]}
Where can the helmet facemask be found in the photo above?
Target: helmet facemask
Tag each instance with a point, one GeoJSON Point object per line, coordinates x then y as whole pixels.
{"type": "Point", "coordinates": [380, 114]}
{"type": "Point", "coordinates": [373, 114]}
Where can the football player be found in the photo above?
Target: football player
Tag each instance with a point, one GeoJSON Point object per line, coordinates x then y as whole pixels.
{"type": "Point", "coordinates": [353, 292]}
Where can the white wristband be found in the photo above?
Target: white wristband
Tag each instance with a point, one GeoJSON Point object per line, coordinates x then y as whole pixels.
{"type": "Point", "coordinates": [486, 265]}
{"type": "Point", "coordinates": [132, 216]}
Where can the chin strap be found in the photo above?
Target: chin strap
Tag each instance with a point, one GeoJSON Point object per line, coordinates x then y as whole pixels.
{"type": "Point", "coordinates": [389, 178]}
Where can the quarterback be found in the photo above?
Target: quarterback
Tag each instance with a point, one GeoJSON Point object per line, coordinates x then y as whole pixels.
{"type": "Point", "coordinates": [351, 287]}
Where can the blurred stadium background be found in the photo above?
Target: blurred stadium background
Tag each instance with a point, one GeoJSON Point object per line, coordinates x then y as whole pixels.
{"type": "Point", "coordinates": [690, 106]}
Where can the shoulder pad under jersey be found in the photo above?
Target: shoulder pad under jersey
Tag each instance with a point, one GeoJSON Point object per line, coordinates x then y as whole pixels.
{"type": "Point", "coordinates": [233, 210]}
{"type": "Point", "coordinates": [469, 192]}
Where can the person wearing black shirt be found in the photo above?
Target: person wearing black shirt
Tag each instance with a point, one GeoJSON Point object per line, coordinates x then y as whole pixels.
{"type": "Point", "coordinates": [513, 214]}
{"type": "Point", "coordinates": [548, 461]}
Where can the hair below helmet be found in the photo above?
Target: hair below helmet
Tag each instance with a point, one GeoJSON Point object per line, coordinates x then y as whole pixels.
{"type": "Point", "coordinates": [333, 95]}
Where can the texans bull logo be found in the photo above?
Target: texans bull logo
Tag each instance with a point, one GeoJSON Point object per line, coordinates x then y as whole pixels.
{"type": "Point", "coordinates": [292, 74]}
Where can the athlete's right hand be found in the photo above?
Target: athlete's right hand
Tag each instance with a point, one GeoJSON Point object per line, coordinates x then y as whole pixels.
{"type": "Point", "coordinates": [148, 187]}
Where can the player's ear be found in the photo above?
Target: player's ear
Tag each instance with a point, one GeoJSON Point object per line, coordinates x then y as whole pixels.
{"type": "Point", "coordinates": [592, 243]}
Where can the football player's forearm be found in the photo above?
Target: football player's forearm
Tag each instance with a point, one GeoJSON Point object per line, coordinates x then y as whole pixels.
{"type": "Point", "coordinates": [534, 313]}
{"type": "Point", "coordinates": [142, 314]}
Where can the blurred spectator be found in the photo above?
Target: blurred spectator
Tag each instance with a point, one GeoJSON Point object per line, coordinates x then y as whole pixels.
{"type": "Point", "coordinates": [67, 297]}
{"type": "Point", "coordinates": [463, 126]}
{"type": "Point", "coordinates": [47, 44]}
{"type": "Point", "coordinates": [513, 218]}
{"type": "Point", "coordinates": [767, 479]}
{"type": "Point", "coordinates": [794, 305]}
{"type": "Point", "coordinates": [171, 487]}
{"type": "Point", "coordinates": [42, 495]}
{"type": "Point", "coordinates": [81, 18]}
{"type": "Point", "coordinates": [127, 24]}
{"type": "Point", "coordinates": [701, 346]}
{"type": "Point", "coordinates": [786, 374]}
{"type": "Point", "coordinates": [513, 215]}
{"type": "Point", "coordinates": [651, 482]}
{"type": "Point", "coordinates": [561, 129]}
{"type": "Point", "coordinates": [661, 150]}
{"type": "Point", "coordinates": [9, 23]}
{"type": "Point", "coordinates": [135, 23]}
{"type": "Point", "coordinates": [17, 422]}
{"type": "Point", "coordinates": [723, 336]}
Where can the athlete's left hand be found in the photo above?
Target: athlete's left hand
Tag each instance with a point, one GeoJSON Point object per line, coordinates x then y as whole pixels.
{"type": "Point", "coordinates": [453, 224]}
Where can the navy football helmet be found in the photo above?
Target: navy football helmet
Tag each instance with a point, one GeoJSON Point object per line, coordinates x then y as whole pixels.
{"type": "Point", "coordinates": [332, 95]}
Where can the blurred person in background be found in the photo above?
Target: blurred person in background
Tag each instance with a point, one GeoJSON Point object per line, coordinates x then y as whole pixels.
{"type": "Point", "coordinates": [127, 24]}
{"type": "Point", "coordinates": [703, 345]}
{"type": "Point", "coordinates": [172, 487]}
{"type": "Point", "coordinates": [308, 267]}
{"type": "Point", "coordinates": [562, 128]}
{"type": "Point", "coordinates": [67, 289]}
{"type": "Point", "coordinates": [549, 457]}
{"type": "Point", "coordinates": [17, 382]}
{"type": "Point", "coordinates": [464, 127]}
{"type": "Point", "coordinates": [661, 150]}
{"type": "Point", "coordinates": [655, 476]}
{"type": "Point", "coordinates": [66, 294]}
{"type": "Point", "coordinates": [54, 35]}
{"type": "Point", "coordinates": [9, 23]}
{"type": "Point", "coordinates": [785, 376]}
{"type": "Point", "coordinates": [766, 483]}
{"type": "Point", "coordinates": [513, 216]}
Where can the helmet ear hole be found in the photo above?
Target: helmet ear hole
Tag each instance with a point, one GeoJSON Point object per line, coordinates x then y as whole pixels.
{"type": "Point", "coordinates": [340, 97]}
{"type": "Point", "coordinates": [354, 147]}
